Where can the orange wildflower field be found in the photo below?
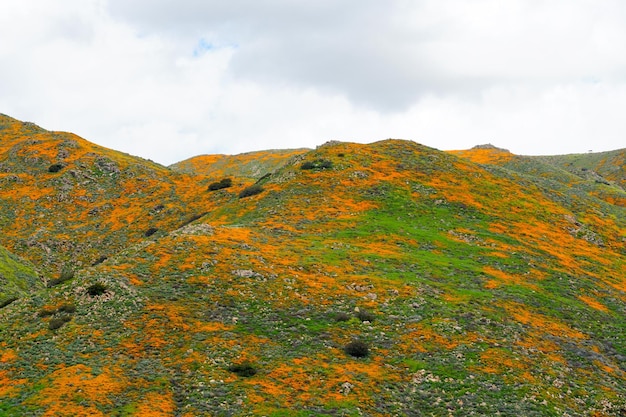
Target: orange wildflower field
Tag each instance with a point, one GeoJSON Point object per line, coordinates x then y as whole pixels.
{"type": "Point", "coordinates": [388, 279]}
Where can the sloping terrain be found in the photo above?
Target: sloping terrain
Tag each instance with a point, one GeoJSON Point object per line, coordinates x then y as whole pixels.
{"type": "Point", "coordinates": [602, 175]}
{"type": "Point", "coordinates": [601, 166]}
{"type": "Point", "coordinates": [249, 164]}
{"type": "Point", "coordinates": [67, 203]}
{"type": "Point", "coordinates": [377, 280]}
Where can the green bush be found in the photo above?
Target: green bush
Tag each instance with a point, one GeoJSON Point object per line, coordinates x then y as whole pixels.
{"type": "Point", "coordinates": [99, 260]}
{"type": "Point", "coordinates": [55, 167]}
{"type": "Point", "coordinates": [63, 308]}
{"type": "Point", "coordinates": [365, 315]}
{"type": "Point", "coordinates": [67, 273]}
{"type": "Point", "coordinates": [250, 191]}
{"type": "Point", "coordinates": [357, 349]}
{"type": "Point", "coordinates": [45, 312]}
{"type": "Point", "coordinates": [57, 322]}
{"type": "Point", "coordinates": [150, 231]}
{"type": "Point", "coordinates": [7, 301]}
{"type": "Point", "coordinates": [243, 369]}
{"type": "Point", "coordinates": [67, 308]}
{"type": "Point", "coordinates": [193, 218]}
{"type": "Point", "coordinates": [341, 316]}
{"type": "Point", "coordinates": [224, 183]}
{"type": "Point", "coordinates": [325, 164]}
{"type": "Point", "coordinates": [317, 164]}
{"type": "Point", "coordinates": [96, 289]}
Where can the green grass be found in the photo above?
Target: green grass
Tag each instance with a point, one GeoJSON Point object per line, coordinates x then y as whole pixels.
{"type": "Point", "coordinates": [17, 277]}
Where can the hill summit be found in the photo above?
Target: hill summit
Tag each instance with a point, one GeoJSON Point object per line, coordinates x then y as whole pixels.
{"type": "Point", "coordinates": [383, 279]}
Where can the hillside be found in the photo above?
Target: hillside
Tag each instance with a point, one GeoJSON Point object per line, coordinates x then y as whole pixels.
{"type": "Point", "coordinates": [377, 280]}
{"type": "Point", "coordinates": [602, 175]}
{"type": "Point", "coordinates": [602, 166]}
{"type": "Point", "coordinates": [249, 164]}
{"type": "Point", "coordinates": [68, 203]}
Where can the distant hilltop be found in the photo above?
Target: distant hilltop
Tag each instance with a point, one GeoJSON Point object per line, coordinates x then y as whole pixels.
{"type": "Point", "coordinates": [490, 146]}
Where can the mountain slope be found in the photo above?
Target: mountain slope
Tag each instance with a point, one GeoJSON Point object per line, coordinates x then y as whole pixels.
{"type": "Point", "coordinates": [68, 202]}
{"type": "Point", "coordinates": [250, 164]}
{"type": "Point", "coordinates": [607, 166]}
{"type": "Point", "coordinates": [474, 289]}
{"type": "Point", "coordinates": [601, 175]}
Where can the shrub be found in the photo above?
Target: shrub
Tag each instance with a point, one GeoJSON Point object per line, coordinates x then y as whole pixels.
{"type": "Point", "coordinates": [325, 164]}
{"type": "Point", "coordinates": [99, 260]}
{"type": "Point", "coordinates": [55, 167]}
{"type": "Point", "coordinates": [96, 289]}
{"type": "Point", "coordinates": [264, 177]}
{"type": "Point", "coordinates": [341, 316]}
{"type": "Point", "coordinates": [67, 273]}
{"type": "Point", "coordinates": [250, 191]}
{"type": "Point", "coordinates": [7, 301]}
{"type": "Point", "coordinates": [45, 312]}
{"type": "Point", "coordinates": [317, 164]}
{"type": "Point", "coordinates": [57, 322]}
{"type": "Point", "coordinates": [67, 308]}
{"type": "Point", "coordinates": [192, 218]}
{"type": "Point", "coordinates": [54, 282]}
{"type": "Point", "coordinates": [357, 348]}
{"type": "Point", "coordinates": [150, 231]}
{"type": "Point", "coordinates": [63, 308]}
{"type": "Point", "coordinates": [224, 183]}
{"type": "Point", "coordinates": [365, 315]}
{"type": "Point", "coordinates": [243, 369]}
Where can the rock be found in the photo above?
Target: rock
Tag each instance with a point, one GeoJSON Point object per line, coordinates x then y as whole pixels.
{"type": "Point", "coordinates": [244, 273]}
{"type": "Point", "coordinates": [346, 387]}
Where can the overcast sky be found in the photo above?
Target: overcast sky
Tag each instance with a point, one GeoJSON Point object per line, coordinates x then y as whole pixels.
{"type": "Point", "coordinates": [167, 80]}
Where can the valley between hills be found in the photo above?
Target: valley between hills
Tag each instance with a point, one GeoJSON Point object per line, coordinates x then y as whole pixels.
{"type": "Point", "coordinates": [387, 279]}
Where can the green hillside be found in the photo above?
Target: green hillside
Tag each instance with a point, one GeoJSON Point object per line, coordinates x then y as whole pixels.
{"type": "Point", "coordinates": [601, 166]}
{"type": "Point", "coordinates": [388, 279]}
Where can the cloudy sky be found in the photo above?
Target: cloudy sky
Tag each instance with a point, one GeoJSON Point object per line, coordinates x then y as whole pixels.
{"type": "Point", "coordinates": [169, 79]}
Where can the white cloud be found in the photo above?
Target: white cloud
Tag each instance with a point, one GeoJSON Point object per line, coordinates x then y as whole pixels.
{"type": "Point", "coordinates": [168, 80]}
